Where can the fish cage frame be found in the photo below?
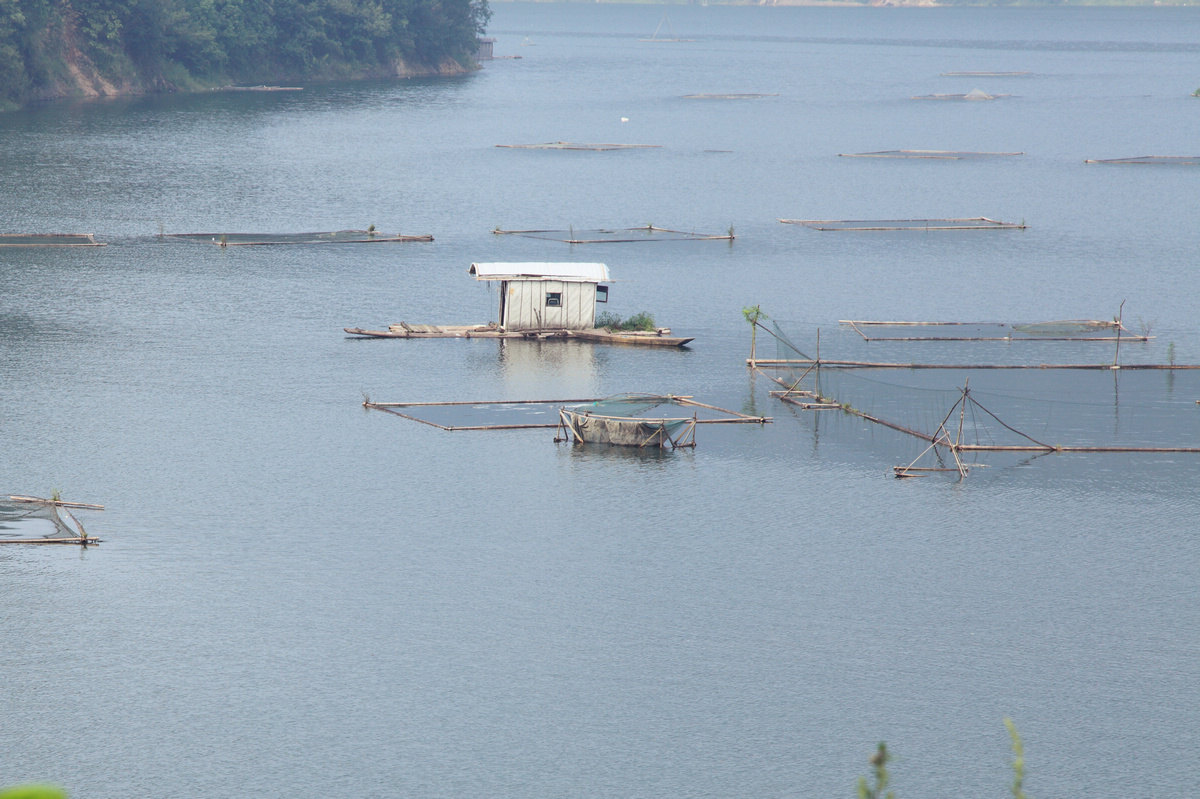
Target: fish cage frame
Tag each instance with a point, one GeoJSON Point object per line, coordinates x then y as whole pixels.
{"type": "Point", "coordinates": [1029, 333]}
{"type": "Point", "coordinates": [806, 399]}
{"type": "Point", "coordinates": [729, 417]}
{"type": "Point", "coordinates": [368, 236]}
{"type": "Point", "coordinates": [874, 225]}
{"type": "Point", "coordinates": [1148, 160]}
{"type": "Point", "coordinates": [566, 145]}
{"type": "Point", "coordinates": [943, 155]}
{"type": "Point", "coordinates": [650, 231]}
{"type": "Point", "coordinates": [656, 430]}
{"type": "Point", "coordinates": [50, 240]}
{"type": "Point", "coordinates": [55, 505]}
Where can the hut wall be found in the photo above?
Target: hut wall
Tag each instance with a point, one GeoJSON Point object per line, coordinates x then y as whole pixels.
{"type": "Point", "coordinates": [549, 304]}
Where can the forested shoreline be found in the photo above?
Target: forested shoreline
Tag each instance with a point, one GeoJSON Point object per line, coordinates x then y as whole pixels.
{"type": "Point", "coordinates": [57, 48]}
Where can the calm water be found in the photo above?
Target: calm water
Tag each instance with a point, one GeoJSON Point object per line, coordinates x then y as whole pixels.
{"type": "Point", "coordinates": [297, 598]}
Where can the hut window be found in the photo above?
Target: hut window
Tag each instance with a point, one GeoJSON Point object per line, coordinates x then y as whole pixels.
{"type": "Point", "coordinates": [553, 299]}
{"type": "Point", "coordinates": [601, 293]}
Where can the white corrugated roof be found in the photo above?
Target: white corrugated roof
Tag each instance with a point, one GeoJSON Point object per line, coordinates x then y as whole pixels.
{"type": "Point", "coordinates": [569, 271]}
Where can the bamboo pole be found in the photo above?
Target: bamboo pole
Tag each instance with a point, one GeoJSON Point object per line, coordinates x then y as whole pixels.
{"type": "Point", "coordinates": [690, 401]}
{"type": "Point", "coordinates": [781, 362]}
{"type": "Point", "coordinates": [55, 502]}
{"type": "Point", "coordinates": [383, 405]}
{"type": "Point", "coordinates": [72, 540]}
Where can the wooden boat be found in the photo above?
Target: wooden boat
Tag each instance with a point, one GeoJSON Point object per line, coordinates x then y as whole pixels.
{"type": "Point", "coordinates": [659, 338]}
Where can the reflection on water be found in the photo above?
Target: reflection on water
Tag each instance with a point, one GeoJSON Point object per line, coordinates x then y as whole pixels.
{"type": "Point", "coordinates": [359, 600]}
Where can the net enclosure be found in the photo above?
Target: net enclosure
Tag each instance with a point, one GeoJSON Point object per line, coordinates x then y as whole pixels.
{"type": "Point", "coordinates": [1177, 160]}
{"type": "Point", "coordinates": [966, 223]}
{"type": "Point", "coordinates": [33, 520]}
{"type": "Point", "coordinates": [615, 235]}
{"type": "Point", "coordinates": [945, 155]}
{"type": "Point", "coordinates": [49, 240]}
{"type": "Point", "coordinates": [567, 145]}
{"type": "Point", "coordinates": [368, 236]}
{"type": "Point", "coordinates": [621, 419]}
{"type": "Point", "coordinates": [945, 404]}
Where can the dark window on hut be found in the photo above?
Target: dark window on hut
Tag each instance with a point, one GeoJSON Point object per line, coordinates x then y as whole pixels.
{"type": "Point", "coordinates": [601, 293]}
{"type": "Point", "coordinates": [553, 299]}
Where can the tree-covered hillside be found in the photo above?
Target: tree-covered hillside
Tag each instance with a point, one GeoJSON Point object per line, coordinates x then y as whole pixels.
{"type": "Point", "coordinates": [56, 47]}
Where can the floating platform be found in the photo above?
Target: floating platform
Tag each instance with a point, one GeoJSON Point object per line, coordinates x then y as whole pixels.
{"type": "Point", "coordinates": [730, 96]}
{"type": "Point", "coordinates": [985, 74]}
{"type": "Point", "coordinates": [970, 223]}
{"type": "Point", "coordinates": [948, 155]}
{"type": "Point", "coordinates": [49, 240]}
{"type": "Point", "coordinates": [1178, 160]}
{"type": "Point", "coordinates": [566, 145]}
{"type": "Point", "coordinates": [332, 237]}
{"type": "Point", "coordinates": [615, 235]}
{"type": "Point", "coordinates": [259, 89]}
{"type": "Point", "coordinates": [659, 338]}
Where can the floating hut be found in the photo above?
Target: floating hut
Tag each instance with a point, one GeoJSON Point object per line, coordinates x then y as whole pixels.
{"type": "Point", "coordinates": [540, 296]}
{"type": "Point", "coordinates": [539, 300]}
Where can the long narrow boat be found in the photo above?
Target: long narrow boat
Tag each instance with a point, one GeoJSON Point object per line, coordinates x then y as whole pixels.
{"type": "Point", "coordinates": [648, 339]}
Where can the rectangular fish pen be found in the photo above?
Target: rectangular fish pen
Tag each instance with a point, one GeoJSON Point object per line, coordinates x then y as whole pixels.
{"type": "Point", "coordinates": [49, 240]}
{"type": "Point", "coordinates": [955, 403]}
{"type": "Point", "coordinates": [964, 223]}
{"type": "Point", "coordinates": [368, 236]}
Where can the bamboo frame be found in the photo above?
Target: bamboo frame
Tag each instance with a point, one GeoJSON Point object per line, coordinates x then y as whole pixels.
{"type": "Point", "coordinates": [867, 225]}
{"type": "Point", "coordinates": [649, 230]}
{"type": "Point", "coordinates": [83, 539]}
{"type": "Point", "coordinates": [678, 399]}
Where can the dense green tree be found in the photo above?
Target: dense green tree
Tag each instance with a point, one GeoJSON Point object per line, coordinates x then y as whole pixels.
{"type": "Point", "coordinates": [156, 44]}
